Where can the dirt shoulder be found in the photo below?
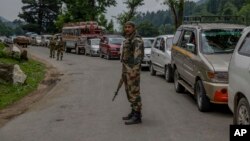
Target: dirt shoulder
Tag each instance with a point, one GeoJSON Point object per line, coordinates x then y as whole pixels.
{"type": "Point", "coordinates": [51, 78]}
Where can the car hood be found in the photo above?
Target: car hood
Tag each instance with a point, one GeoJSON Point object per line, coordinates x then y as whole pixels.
{"type": "Point", "coordinates": [220, 62]}
{"type": "Point", "coordinates": [147, 50]}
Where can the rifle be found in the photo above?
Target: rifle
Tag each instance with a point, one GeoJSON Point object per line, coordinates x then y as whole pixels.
{"type": "Point", "coordinates": [118, 88]}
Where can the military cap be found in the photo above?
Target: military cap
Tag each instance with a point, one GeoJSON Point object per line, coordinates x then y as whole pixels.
{"type": "Point", "coordinates": [130, 23]}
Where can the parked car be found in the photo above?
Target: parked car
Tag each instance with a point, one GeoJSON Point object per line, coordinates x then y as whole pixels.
{"type": "Point", "coordinates": [92, 48]}
{"type": "Point", "coordinates": [45, 40]}
{"type": "Point", "coordinates": [22, 41]}
{"type": "Point", "coordinates": [38, 40]}
{"type": "Point", "coordinates": [239, 80]}
{"type": "Point", "coordinates": [160, 59]}
{"type": "Point", "coordinates": [148, 42]}
{"type": "Point", "coordinates": [200, 57]}
{"type": "Point", "coordinates": [110, 46]}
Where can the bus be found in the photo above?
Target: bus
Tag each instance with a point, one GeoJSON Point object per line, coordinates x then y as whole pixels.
{"type": "Point", "coordinates": [75, 35]}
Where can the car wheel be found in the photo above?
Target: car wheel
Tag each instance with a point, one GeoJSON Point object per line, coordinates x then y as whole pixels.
{"type": "Point", "coordinates": [168, 73]}
{"type": "Point", "coordinates": [202, 100]}
{"type": "Point", "coordinates": [242, 115]}
{"type": "Point", "coordinates": [178, 87]}
{"type": "Point", "coordinates": [152, 71]}
{"type": "Point", "coordinates": [108, 56]}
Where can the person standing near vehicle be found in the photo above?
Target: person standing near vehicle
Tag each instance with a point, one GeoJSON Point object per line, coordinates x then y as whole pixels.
{"type": "Point", "coordinates": [60, 48]}
{"type": "Point", "coordinates": [132, 55]}
{"type": "Point", "coordinates": [52, 47]}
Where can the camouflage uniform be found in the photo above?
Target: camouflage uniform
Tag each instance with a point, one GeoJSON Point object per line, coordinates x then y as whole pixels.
{"type": "Point", "coordinates": [132, 55]}
{"type": "Point", "coordinates": [52, 47]}
{"type": "Point", "coordinates": [60, 49]}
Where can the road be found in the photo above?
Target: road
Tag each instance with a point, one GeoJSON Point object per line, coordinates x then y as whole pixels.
{"type": "Point", "coordinates": [79, 108]}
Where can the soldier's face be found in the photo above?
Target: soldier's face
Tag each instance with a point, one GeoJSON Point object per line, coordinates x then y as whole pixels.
{"type": "Point", "coordinates": [129, 29]}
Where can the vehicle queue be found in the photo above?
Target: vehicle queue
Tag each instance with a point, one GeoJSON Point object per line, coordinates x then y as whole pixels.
{"type": "Point", "coordinates": [209, 60]}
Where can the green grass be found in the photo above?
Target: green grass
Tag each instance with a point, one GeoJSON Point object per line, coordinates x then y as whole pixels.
{"type": "Point", "coordinates": [35, 72]}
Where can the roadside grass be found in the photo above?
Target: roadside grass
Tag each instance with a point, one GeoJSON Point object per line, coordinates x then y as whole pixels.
{"type": "Point", "coordinates": [35, 72]}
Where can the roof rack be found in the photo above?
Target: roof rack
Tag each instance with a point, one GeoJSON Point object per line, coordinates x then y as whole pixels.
{"type": "Point", "coordinates": [214, 19]}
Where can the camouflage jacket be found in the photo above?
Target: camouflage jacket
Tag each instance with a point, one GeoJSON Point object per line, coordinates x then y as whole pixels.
{"type": "Point", "coordinates": [132, 52]}
{"type": "Point", "coordinates": [52, 44]}
{"type": "Point", "coordinates": [60, 45]}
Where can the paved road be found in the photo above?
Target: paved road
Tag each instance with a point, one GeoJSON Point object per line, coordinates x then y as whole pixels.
{"type": "Point", "coordinates": [79, 108]}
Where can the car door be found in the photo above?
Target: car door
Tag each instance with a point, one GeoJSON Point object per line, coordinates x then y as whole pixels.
{"type": "Point", "coordinates": [155, 53]}
{"type": "Point", "coordinates": [241, 67]}
{"type": "Point", "coordinates": [161, 55]}
{"type": "Point", "coordinates": [189, 55]}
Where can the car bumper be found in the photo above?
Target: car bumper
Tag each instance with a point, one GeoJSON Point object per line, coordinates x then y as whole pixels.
{"type": "Point", "coordinates": [115, 54]}
{"type": "Point", "coordinates": [145, 63]}
{"type": "Point", "coordinates": [95, 52]}
{"type": "Point", "coordinates": [217, 92]}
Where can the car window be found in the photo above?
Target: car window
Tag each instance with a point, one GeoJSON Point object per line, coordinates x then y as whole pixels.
{"type": "Point", "coordinates": [219, 40]}
{"type": "Point", "coordinates": [95, 41]}
{"type": "Point", "coordinates": [117, 41]}
{"type": "Point", "coordinates": [185, 38]}
{"type": "Point", "coordinates": [169, 43]}
{"type": "Point", "coordinates": [162, 45]}
{"type": "Point", "coordinates": [157, 43]}
{"type": "Point", "coordinates": [245, 46]}
{"type": "Point", "coordinates": [176, 37]}
{"type": "Point", "coordinates": [147, 43]}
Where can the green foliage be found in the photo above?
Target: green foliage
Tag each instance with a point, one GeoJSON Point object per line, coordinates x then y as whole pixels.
{"type": "Point", "coordinates": [85, 10]}
{"type": "Point", "coordinates": [35, 72]}
{"type": "Point", "coordinates": [5, 30]}
{"type": "Point", "coordinates": [10, 93]}
{"type": "Point", "coordinates": [40, 14]}
{"type": "Point", "coordinates": [132, 6]}
{"type": "Point", "coordinates": [147, 29]}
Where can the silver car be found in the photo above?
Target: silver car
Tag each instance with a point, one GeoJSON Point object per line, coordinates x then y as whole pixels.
{"type": "Point", "coordinates": [148, 42]}
{"type": "Point", "coordinates": [92, 48]}
{"type": "Point", "coordinates": [160, 58]}
{"type": "Point", "coordinates": [239, 80]}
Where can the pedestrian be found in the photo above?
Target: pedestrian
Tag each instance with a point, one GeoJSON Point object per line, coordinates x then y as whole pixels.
{"type": "Point", "coordinates": [132, 55]}
{"type": "Point", "coordinates": [60, 48]}
{"type": "Point", "coordinates": [52, 47]}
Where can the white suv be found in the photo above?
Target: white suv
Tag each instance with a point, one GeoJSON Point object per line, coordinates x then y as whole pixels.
{"type": "Point", "coordinates": [239, 80]}
{"type": "Point", "coordinates": [160, 58]}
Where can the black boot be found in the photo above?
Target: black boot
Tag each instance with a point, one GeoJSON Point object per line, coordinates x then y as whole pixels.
{"type": "Point", "coordinates": [130, 115]}
{"type": "Point", "coordinates": [136, 119]}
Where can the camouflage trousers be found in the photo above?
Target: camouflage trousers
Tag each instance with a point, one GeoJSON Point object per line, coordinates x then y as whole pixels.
{"type": "Point", "coordinates": [52, 52]}
{"type": "Point", "coordinates": [131, 81]}
{"type": "Point", "coordinates": [59, 53]}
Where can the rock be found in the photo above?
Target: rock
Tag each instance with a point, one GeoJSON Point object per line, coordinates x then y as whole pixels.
{"type": "Point", "coordinates": [18, 75]}
{"type": "Point", "coordinates": [12, 74]}
{"type": "Point", "coordinates": [6, 73]}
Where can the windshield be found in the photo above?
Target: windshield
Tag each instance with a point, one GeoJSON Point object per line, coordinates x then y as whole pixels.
{"type": "Point", "coordinates": [219, 40]}
{"type": "Point", "coordinates": [95, 42]}
{"type": "Point", "coordinates": [117, 41]}
{"type": "Point", "coordinates": [147, 43]}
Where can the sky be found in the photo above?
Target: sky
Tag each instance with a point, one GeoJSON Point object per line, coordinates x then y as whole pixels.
{"type": "Point", "coordinates": [9, 9]}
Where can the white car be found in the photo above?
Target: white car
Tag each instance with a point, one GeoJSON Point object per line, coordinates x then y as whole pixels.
{"type": "Point", "coordinates": [239, 80]}
{"type": "Point", "coordinates": [45, 40]}
{"type": "Point", "coordinates": [92, 48]}
{"type": "Point", "coordinates": [160, 59]}
{"type": "Point", "coordinates": [148, 42]}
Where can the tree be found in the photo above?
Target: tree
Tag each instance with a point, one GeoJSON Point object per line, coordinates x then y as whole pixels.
{"type": "Point", "coordinates": [85, 10]}
{"type": "Point", "coordinates": [177, 8]}
{"type": "Point", "coordinates": [147, 29]}
{"type": "Point", "coordinates": [110, 27]}
{"type": "Point", "coordinates": [40, 14]}
{"type": "Point", "coordinates": [132, 6]}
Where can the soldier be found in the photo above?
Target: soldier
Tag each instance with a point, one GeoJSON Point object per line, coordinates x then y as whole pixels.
{"type": "Point", "coordinates": [52, 47]}
{"type": "Point", "coordinates": [132, 55]}
{"type": "Point", "coordinates": [60, 48]}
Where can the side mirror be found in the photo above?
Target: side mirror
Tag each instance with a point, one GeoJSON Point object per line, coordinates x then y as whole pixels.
{"type": "Point", "coordinates": [190, 47]}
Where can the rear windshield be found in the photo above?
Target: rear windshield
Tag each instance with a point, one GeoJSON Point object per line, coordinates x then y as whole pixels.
{"type": "Point", "coordinates": [117, 41]}
{"type": "Point", "coordinates": [147, 43]}
{"type": "Point", "coordinates": [219, 40]}
{"type": "Point", "coordinates": [95, 41]}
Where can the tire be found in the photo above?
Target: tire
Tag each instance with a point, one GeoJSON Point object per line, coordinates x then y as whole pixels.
{"type": "Point", "coordinates": [152, 71]}
{"type": "Point", "coordinates": [168, 73]}
{"type": "Point", "coordinates": [242, 114]}
{"type": "Point", "coordinates": [178, 87]}
{"type": "Point", "coordinates": [108, 57]}
{"type": "Point", "coordinates": [202, 100]}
